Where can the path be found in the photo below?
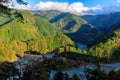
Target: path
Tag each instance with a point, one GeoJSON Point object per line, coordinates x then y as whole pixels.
{"type": "Point", "coordinates": [30, 55]}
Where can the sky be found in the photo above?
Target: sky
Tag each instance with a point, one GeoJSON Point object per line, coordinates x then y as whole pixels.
{"type": "Point", "coordinates": [78, 7]}
{"type": "Point", "coordinates": [88, 3]}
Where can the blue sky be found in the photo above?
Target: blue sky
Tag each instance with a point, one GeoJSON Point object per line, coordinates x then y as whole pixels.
{"type": "Point", "coordinates": [91, 3]}
{"type": "Point", "coordinates": [78, 7]}
{"type": "Point", "coordinates": [88, 3]}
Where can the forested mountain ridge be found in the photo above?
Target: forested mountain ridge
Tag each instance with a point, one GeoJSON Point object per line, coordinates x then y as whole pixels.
{"type": "Point", "coordinates": [35, 33]}
{"type": "Point", "coordinates": [109, 47]}
{"type": "Point", "coordinates": [103, 22]}
{"type": "Point", "coordinates": [32, 34]}
{"type": "Point", "coordinates": [46, 14]}
{"type": "Point", "coordinates": [73, 26]}
{"type": "Point", "coordinates": [106, 51]}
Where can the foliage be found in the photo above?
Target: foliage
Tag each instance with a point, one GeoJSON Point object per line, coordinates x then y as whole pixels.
{"type": "Point", "coordinates": [7, 70]}
{"type": "Point", "coordinates": [41, 70]}
{"type": "Point", "coordinates": [46, 14]}
{"type": "Point", "coordinates": [32, 34]}
{"type": "Point", "coordinates": [37, 71]}
{"type": "Point", "coordinates": [73, 26]}
{"type": "Point", "coordinates": [9, 1]}
{"type": "Point", "coordinates": [98, 74]}
{"type": "Point", "coordinates": [64, 76]}
{"type": "Point", "coordinates": [107, 51]}
{"type": "Point", "coordinates": [4, 10]}
{"type": "Point", "coordinates": [58, 76]}
{"type": "Point", "coordinates": [109, 48]}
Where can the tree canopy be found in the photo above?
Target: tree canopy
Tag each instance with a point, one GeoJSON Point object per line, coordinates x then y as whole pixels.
{"type": "Point", "coordinates": [6, 11]}
{"type": "Point", "coordinates": [10, 1]}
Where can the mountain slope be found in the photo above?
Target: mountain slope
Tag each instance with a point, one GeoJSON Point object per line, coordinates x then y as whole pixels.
{"type": "Point", "coordinates": [77, 29]}
{"type": "Point", "coordinates": [46, 14]}
{"type": "Point", "coordinates": [86, 34]}
{"type": "Point", "coordinates": [103, 22]}
{"type": "Point", "coordinates": [73, 26]}
{"type": "Point", "coordinates": [110, 48]}
{"type": "Point", "coordinates": [35, 34]}
{"type": "Point", "coordinates": [68, 22]}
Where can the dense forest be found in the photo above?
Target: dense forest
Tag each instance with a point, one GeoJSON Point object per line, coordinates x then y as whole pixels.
{"type": "Point", "coordinates": [32, 34]}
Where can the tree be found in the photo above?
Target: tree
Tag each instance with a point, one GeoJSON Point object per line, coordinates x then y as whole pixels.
{"type": "Point", "coordinates": [5, 10]}
{"type": "Point", "coordinates": [112, 75]}
{"type": "Point", "coordinates": [36, 71]}
{"type": "Point", "coordinates": [96, 74]}
{"type": "Point", "coordinates": [8, 70]}
{"type": "Point", "coordinates": [75, 77]}
{"type": "Point", "coordinates": [61, 76]}
{"type": "Point", "coordinates": [58, 76]}
{"type": "Point", "coordinates": [66, 76]}
{"type": "Point", "coordinates": [10, 1]}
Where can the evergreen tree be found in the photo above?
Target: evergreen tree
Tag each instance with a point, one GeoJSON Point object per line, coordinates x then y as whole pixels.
{"type": "Point", "coordinates": [8, 70]}
{"type": "Point", "coordinates": [75, 77]}
{"type": "Point", "coordinates": [58, 76]}
{"type": "Point", "coordinates": [66, 76]}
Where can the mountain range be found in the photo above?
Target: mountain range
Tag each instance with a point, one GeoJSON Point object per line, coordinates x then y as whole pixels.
{"type": "Point", "coordinates": [43, 32]}
{"type": "Point", "coordinates": [104, 22]}
{"type": "Point", "coordinates": [100, 32]}
{"type": "Point", "coordinates": [32, 34]}
{"type": "Point", "coordinates": [78, 29]}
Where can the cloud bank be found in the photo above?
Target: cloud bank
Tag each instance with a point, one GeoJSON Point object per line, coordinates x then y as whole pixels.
{"type": "Point", "coordinates": [77, 8]}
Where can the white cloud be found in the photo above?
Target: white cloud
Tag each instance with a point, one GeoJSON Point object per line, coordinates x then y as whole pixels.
{"type": "Point", "coordinates": [77, 8]}
{"type": "Point", "coordinates": [26, 7]}
{"type": "Point", "coordinates": [94, 10]}
{"type": "Point", "coordinates": [51, 6]}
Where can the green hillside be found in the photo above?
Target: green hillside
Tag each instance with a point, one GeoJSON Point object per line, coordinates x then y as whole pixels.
{"type": "Point", "coordinates": [35, 34]}
{"type": "Point", "coordinates": [73, 26]}
{"type": "Point", "coordinates": [46, 28]}
{"type": "Point", "coordinates": [110, 48]}
{"type": "Point", "coordinates": [68, 22]}
{"type": "Point", "coordinates": [65, 21]}
{"type": "Point", "coordinates": [3, 19]}
{"type": "Point", "coordinates": [107, 51]}
{"type": "Point", "coordinates": [78, 29]}
{"type": "Point", "coordinates": [46, 14]}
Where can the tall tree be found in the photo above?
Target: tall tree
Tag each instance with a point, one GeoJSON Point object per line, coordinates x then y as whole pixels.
{"type": "Point", "coordinates": [10, 1]}
{"type": "Point", "coordinates": [58, 76]}
{"type": "Point", "coordinates": [75, 77]}
{"type": "Point", "coordinates": [4, 9]}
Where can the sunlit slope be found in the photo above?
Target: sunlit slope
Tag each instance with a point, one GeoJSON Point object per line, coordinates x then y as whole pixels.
{"type": "Point", "coordinates": [32, 34]}
{"type": "Point", "coordinates": [109, 47]}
